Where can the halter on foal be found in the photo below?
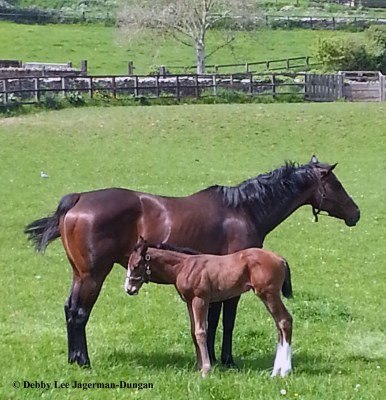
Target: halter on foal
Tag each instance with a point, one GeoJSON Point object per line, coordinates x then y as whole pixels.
{"type": "Point", "coordinates": [203, 279]}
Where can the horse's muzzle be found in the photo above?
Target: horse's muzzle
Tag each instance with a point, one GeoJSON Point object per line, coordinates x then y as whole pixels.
{"type": "Point", "coordinates": [353, 220]}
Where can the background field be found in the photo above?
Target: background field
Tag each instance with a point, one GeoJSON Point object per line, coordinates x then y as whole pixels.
{"type": "Point", "coordinates": [338, 272]}
{"type": "Point", "coordinates": [108, 53]}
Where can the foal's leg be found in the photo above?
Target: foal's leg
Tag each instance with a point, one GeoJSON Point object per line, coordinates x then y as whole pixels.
{"type": "Point", "coordinates": [283, 320]}
{"type": "Point", "coordinates": [192, 331]}
{"type": "Point", "coordinates": [228, 321]}
{"type": "Point", "coordinates": [213, 318]}
{"type": "Point", "coordinates": [200, 315]}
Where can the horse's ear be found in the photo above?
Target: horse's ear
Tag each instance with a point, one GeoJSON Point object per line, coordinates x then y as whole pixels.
{"type": "Point", "coordinates": [329, 170]}
{"type": "Point", "coordinates": [314, 159]}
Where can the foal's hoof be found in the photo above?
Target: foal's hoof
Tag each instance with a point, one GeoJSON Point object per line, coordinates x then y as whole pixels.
{"type": "Point", "coordinates": [205, 372]}
{"type": "Point", "coordinates": [281, 371]}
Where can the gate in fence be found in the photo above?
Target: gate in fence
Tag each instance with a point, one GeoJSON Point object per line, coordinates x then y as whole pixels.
{"type": "Point", "coordinates": [326, 87]}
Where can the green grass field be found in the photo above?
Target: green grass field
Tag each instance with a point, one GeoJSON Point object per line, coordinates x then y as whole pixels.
{"type": "Point", "coordinates": [338, 272]}
{"type": "Point", "coordinates": [108, 53]}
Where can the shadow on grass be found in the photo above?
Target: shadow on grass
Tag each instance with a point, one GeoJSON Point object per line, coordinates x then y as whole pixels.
{"type": "Point", "coordinates": [309, 364]}
{"type": "Point", "coordinates": [156, 360]}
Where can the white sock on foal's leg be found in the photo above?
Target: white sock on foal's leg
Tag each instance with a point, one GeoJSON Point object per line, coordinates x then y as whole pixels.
{"type": "Point", "coordinates": [283, 363]}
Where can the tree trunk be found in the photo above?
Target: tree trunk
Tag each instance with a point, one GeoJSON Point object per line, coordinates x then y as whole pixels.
{"type": "Point", "coordinates": [200, 57]}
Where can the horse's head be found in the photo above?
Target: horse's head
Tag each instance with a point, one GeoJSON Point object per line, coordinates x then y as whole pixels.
{"type": "Point", "coordinates": [138, 269]}
{"type": "Point", "coordinates": [331, 197]}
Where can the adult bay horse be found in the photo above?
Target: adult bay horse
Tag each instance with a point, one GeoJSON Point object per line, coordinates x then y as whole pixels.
{"type": "Point", "coordinates": [201, 279]}
{"type": "Point", "coordinates": [101, 227]}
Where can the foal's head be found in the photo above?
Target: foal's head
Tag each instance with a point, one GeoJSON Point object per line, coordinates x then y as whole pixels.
{"type": "Point", "coordinates": [138, 269]}
{"type": "Point", "coordinates": [331, 196]}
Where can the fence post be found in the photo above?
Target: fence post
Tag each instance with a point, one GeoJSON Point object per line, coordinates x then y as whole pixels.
{"type": "Point", "coordinates": [381, 86]}
{"type": "Point", "coordinates": [136, 86]}
{"type": "Point", "coordinates": [5, 95]}
{"type": "Point", "coordinates": [114, 87]}
{"type": "Point", "coordinates": [250, 84]}
{"type": "Point", "coordinates": [36, 90]}
{"type": "Point", "coordinates": [162, 70]}
{"type": "Point", "coordinates": [63, 84]}
{"type": "Point", "coordinates": [83, 67]}
{"type": "Point", "coordinates": [341, 85]}
{"type": "Point", "coordinates": [91, 90]}
{"type": "Point", "coordinates": [273, 83]}
{"type": "Point", "coordinates": [157, 86]}
{"type": "Point", "coordinates": [333, 23]}
{"type": "Point", "coordinates": [130, 67]}
{"type": "Point", "coordinates": [196, 88]}
{"type": "Point", "coordinates": [214, 85]}
{"type": "Point", "coordinates": [287, 64]}
{"type": "Point", "coordinates": [246, 67]}
{"type": "Point", "coordinates": [178, 87]}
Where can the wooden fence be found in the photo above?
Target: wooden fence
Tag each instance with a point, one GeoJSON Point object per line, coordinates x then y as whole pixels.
{"type": "Point", "coordinates": [41, 16]}
{"type": "Point", "coordinates": [312, 87]}
{"type": "Point", "coordinates": [303, 63]}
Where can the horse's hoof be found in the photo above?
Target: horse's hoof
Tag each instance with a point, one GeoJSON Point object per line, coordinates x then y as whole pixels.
{"type": "Point", "coordinates": [82, 360]}
{"type": "Point", "coordinates": [229, 364]}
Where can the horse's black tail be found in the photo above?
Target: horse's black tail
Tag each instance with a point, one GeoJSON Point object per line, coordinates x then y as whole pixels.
{"type": "Point", "coordinates": [43, 231]}
{"type": "Point", "coordinates": [287, 285]}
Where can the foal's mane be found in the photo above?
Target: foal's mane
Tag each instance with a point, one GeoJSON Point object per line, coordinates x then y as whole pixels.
{"type": "Point", "coordinates": [270, 189]}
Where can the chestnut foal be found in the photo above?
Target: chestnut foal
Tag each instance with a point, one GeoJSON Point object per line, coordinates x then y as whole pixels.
{"type": "Point", "coordinates": [202, 279]}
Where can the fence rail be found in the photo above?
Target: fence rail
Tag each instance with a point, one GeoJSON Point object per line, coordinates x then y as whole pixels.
{"type": "Point", "coordinates": [312, 87]}
{"type": "Point", "coordinates": [29, 90]}
{"type": "Point", "coordinates": [35, 15]}
{"type": "Point", "coordinates": [282, 64]}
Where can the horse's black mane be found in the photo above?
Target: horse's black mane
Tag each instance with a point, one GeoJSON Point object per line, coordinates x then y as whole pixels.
{"type": "Point", "coordinates": [268, 190]}
{"type": "Point", "coordinates": [167, 246]}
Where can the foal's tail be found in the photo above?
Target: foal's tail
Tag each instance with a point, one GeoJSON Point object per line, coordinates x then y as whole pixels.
{"type": "Point", "coordinates": [287, 285]}
{"type": "Point", "coordinates": [43, 231]}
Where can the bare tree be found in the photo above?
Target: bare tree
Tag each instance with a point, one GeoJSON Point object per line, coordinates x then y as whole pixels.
{"type": "Point", "coordinates": [187, 21]}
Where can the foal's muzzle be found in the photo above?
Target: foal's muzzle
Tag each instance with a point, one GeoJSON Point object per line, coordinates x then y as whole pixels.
{"type": "Point", "coordinates": [132, 290]}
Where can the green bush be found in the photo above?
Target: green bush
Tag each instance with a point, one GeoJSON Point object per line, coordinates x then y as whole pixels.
{"type": "Point", "coordinates": [350, 54]}
{"type": "Point", "coordinates": [76, 99]}
{"type": "Point", "coordinates": [52, 101]}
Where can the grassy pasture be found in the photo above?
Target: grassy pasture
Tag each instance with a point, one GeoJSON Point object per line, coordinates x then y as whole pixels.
{"type": "Point", "coordinates": [338, 272]}
{"type": "Point", "coordinates": [107, 53]}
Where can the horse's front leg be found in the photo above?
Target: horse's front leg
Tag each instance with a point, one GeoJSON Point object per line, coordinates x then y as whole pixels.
{"type": "Point", "coordinates": [192, 331]}
{"type": "Point", "coordinates": [200, 314]}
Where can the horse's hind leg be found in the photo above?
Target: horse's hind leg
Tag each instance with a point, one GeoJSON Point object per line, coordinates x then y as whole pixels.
{"type": "Point", "coordinates": [283, 320]}
{"type": "Point", "coordinates": [213, 318]}
{"type": "Point", "coordinates": [228, 321]}
{"type": "Point", "coordinates": [84, 293]}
